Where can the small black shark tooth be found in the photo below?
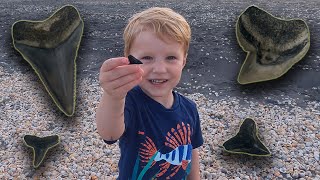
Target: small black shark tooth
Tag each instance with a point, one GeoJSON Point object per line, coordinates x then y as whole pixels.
{"type": "Point", "coordinates": [134, 60]}
{"type": "Point", "coordinates": [246, 141]}
{"type": "Point", "coordinates": [40, 146]}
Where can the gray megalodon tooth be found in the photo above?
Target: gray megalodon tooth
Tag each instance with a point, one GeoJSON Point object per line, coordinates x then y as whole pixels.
{"type": "Point", "coordinates": [273, 45]}
{"type": "Point", "coordinates": [51, 47]}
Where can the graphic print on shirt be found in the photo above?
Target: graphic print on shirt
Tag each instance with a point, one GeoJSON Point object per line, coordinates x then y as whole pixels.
{"type": "Point", "coordinates": [178, 158]}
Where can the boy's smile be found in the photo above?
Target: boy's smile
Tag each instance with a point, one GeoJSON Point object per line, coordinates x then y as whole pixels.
{"type": "Point", "coordinates": [163, 60]}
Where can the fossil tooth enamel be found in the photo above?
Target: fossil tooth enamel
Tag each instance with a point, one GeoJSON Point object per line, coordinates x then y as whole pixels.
{"type": "Point", "coordinates": [246, 141]}
{"type": "Point", "coordinates": [51, 48]}
{"type": "Point", "coordinates": [134, 60]}
{"type": "Point", "coordinates": [273, 45]}
{"type": "Point", "coordinates": [40, 146]}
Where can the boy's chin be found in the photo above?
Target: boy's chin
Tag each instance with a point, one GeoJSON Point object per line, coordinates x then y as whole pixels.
{"type": "Point", "coordinates": [154, 92]}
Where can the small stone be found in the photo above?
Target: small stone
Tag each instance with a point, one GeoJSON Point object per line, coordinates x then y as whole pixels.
{"type": "Point", "coordinates": [64, 174]}
{"type": "Point", "coordinates": [283, 170]}
{"type": "Point", "coordinates": [288, 176]}
{"type": "Point", "coordinates": [311, 127]}
{"type": "Point", "coordinates": [80, 173]}
{"type": "Point", "coordinates": [207, 175]}
{"type": "Point", "coordinates": [316, 155]}
{"type": "Point", "coordinates": [93, 178]}
{"type": "Point", "coordinates": [294, 145]}
{"type": "Point", "coordinates": [295, 174]}
{"type": "Point", "coordinates": [223, 170]}
{"type": "Point", "coordinates": [94, 169]}
{"type": "Point", "coordinates": [302, 174]}
{"type": "Point", "coordinates": [309, 173]}
{"type": "Point", "coordinates": [277, 173]}
{"type": "Point", "coordinates": [279, 164]}
{"type": "Point", "coordinates": [47, 173]}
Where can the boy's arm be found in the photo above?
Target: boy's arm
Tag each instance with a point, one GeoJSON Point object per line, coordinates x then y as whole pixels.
{"type": "Point", "coordinates": [110, 118]}
{"type": "Point", "coordinates": [116, 78]}
{"type": "Point", "coordinates": [195, 167]}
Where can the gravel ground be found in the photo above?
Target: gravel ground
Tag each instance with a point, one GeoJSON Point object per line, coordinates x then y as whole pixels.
{"type": "Point", "coordinates": [289, 131]}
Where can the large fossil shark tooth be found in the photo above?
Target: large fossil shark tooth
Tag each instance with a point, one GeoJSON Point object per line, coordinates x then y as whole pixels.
{"type": "Point", "coordinates": [40, 146]}
{"type": "Point", "coordinates": [51, 48]}
{"type": "Point", "coordinates": [273, 45]}
{"type": "Point", "coordinates": [246, 141]}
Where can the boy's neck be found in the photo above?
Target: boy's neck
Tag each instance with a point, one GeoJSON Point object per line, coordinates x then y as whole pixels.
{"type": "Point", "coordinates": [166, 101]}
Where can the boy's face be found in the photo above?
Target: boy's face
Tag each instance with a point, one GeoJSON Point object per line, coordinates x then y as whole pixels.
{"type": "Point", "coordinates": [163, 61]}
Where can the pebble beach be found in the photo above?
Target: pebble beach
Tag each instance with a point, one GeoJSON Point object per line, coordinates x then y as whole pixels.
{"type": "Point", "coordinates": [286, 110]}
{"type": "Point", "coordinates": [290, 132]}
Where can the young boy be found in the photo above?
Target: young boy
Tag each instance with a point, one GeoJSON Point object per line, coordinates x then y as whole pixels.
{"type": "Point", "coordinates": [159, 129]}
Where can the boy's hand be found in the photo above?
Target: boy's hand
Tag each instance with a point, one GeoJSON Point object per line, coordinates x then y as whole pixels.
{"type": "Point", "coordinates": [117, 77]}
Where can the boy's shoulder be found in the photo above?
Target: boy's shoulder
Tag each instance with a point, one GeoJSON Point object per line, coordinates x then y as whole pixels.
{"type": "Point", "coordinates": [185, 100]}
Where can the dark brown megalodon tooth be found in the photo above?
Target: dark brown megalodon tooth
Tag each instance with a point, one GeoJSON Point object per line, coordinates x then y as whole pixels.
{"type": "Point", "coordinates": [40, 146]}
{"type": "Point", "coordinates": [273, 45]}
{"type": "Point", "coordinates": [246, 141]}
{"type": "Point", "coordinates": [134, 60]}
{"type": "Point", "coordinates": [51, 47]}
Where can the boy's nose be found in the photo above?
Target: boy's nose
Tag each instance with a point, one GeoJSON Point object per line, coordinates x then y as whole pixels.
{"type": "Point", "coordinates": [159, 66]}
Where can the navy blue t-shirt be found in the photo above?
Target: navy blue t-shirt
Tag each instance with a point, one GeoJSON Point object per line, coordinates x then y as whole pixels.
{"type": "Point", "coordinates": [158, 142]}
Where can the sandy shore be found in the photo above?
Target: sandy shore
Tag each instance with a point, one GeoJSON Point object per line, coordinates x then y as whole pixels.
{"type": "Point", "coordinates": [289, 131]}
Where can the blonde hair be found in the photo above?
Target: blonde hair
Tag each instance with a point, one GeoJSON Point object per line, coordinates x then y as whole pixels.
{"type": "Point", "coordinates": [165, 23]}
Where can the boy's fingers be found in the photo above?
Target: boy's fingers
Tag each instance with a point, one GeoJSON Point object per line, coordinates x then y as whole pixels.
{"type": "Point", "coordinates": [113, 63]}
{"type": "Point", "coordinates": [125, 80]}
{"type": "Point", "coordinates": [127, 87]}
{"type": "Point", "coordinates": [120, 72]}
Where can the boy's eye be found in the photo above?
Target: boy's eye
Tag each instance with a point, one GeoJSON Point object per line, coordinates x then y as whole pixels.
{"type": "Point", "coordinates": [147, 58]}
{"type": "Point", "coordinates": [171, 58]}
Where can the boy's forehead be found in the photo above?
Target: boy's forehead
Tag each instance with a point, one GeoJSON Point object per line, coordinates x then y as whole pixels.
{"type": "Point", "coordinates": [166, 37]}
{"type": "Point", "coordinates": [167, 34]}
{"type": "Point", "coordinates": [146, 43]}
